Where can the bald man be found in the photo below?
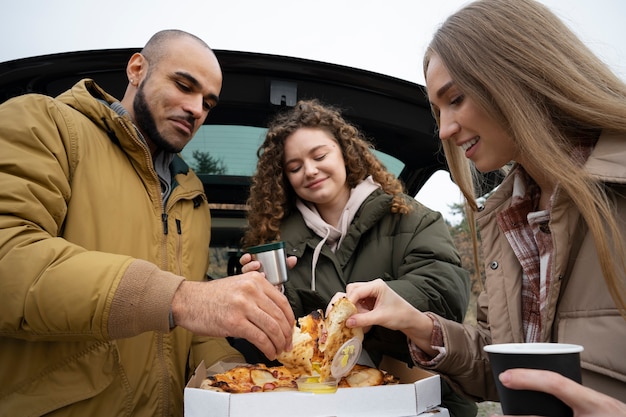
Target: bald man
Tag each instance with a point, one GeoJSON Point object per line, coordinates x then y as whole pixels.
{"type": "Point", "coordinates": [102, 311]}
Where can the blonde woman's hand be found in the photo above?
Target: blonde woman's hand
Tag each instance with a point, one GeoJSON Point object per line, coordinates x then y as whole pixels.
{"type": "Point", "coordinates": [378, 304]}
{"type": "Point", "coordinates": [584, 401]}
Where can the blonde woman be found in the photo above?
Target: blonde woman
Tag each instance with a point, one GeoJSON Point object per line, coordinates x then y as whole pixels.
{"type": "Point", "coordinates": [511, 87]}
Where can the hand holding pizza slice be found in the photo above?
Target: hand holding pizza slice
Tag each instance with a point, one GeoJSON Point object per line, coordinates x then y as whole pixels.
{"type": "Point", "coordinates": [316, 340]}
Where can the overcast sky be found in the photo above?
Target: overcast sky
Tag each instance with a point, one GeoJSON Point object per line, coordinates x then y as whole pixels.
{"type": "Point", "coordinates": [385, 36]}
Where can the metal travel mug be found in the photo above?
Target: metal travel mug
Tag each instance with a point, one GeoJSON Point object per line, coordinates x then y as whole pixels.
{"type": "Point", "coordinates": [273, 259]}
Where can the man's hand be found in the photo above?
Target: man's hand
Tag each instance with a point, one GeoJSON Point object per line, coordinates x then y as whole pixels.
{"type": "Point", "coordinates": [245, 306]}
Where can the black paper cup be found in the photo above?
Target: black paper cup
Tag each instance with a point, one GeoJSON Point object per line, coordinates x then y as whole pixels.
{"type": "Point", "coordinates": [558, 357]}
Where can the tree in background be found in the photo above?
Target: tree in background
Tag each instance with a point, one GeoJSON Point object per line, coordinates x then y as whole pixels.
{"type": "Point", "coordinates": [463, 242]}
{"type": "Point", "coordinates": [206, 164]}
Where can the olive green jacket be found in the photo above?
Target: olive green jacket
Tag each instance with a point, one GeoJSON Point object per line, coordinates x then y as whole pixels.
{"type": "Point", "coordinates": [89, 263]}
{"type": "Point", "coordinates": [413, 253]}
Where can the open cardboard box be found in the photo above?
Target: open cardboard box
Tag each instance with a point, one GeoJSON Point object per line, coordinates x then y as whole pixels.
{"type": "Point", "coordinates": [419, 392]}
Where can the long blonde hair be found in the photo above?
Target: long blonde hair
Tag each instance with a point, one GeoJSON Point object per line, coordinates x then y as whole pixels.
{"type": "Point", "coordinates": [523, 66]}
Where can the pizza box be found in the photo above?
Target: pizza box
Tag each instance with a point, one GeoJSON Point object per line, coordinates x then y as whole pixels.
{"type": "Point", "coordinates": [419, 392]}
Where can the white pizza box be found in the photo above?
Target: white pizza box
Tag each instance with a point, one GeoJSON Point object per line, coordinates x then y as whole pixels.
{"type": "Point", "coordinates": [419, 392]}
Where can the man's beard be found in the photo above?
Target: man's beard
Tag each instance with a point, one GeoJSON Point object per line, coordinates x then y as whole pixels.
{"type": "Point", "coordinates": [147, 125]}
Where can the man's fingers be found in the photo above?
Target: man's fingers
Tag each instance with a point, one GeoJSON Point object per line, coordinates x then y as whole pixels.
{"type": "Point", "coordinates": [276, 331]}
{"type": "Point", "coordinates": [257, 337]}
{"type": "Point", "coordinates": [273, 315]}
{"type": "Point", "coordinates": [283, 314]}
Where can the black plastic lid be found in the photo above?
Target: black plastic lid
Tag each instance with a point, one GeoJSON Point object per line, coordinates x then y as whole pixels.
{"type": "Point", "coordinates": [266, 247]}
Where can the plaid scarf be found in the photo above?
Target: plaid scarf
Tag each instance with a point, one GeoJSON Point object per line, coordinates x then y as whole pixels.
{"type": "Point", "coordinates": [528, 233]}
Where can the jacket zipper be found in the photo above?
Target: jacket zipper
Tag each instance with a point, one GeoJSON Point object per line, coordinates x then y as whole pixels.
{"type": "Point", "coordinates": [179, 247]}
{"type": "Point", "coordinates": [165, 380]}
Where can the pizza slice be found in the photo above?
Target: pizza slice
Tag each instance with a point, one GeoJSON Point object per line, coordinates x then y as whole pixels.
{"type": "Point", "coordinates": [305, 352]}
{"type": "Point", "coordinates": [365, 376]}
{"type": "Point", "coordinates": [337, 334]}
{"type": "Point", "coordinates": [317, 339]}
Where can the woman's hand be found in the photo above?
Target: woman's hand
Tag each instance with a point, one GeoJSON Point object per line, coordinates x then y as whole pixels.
{"type": "Point", "coordinates": [584, 401]}
{"type": "Point", "coordinates": [335, 298]}
{"type": "Point", "coordinates": [247, 264]}
{"type": "Point", "coordinates": [377, 304]}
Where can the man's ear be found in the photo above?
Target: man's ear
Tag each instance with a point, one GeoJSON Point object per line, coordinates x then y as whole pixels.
{"type": "Point", "coordinates": [136, 68]}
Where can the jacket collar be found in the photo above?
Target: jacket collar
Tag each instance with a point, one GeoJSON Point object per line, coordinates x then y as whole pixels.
{"type": "Point", "coordinates": [94, 103]}
{"type": "Point", "coordinates": [606, 162]}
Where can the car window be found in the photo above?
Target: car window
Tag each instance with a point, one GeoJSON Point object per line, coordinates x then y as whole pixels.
{"type": "Point", "coordinates": [231, 150]}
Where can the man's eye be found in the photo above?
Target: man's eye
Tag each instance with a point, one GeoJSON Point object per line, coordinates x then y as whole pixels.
{"type": "Point", "coordinates": [183, 86]}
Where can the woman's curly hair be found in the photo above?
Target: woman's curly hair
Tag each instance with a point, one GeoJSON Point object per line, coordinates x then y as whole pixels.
{"type": "Point", "coordinates": [271, 196]}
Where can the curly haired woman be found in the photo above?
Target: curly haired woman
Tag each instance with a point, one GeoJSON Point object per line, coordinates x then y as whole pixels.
{"type": "Point", "coordinates": [320, 188]}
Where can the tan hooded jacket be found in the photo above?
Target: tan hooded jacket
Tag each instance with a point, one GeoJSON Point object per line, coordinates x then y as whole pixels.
{"type": "Point", "coordinates": [580, 310]}
{"type": "Point", "coordinates": [89, 263]}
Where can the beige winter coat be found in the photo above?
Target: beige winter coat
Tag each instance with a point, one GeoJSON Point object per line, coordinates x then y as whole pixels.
{"type": "Point", "coordinates": [581, 311]}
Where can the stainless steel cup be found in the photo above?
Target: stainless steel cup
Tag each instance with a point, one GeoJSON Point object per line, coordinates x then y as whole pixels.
{"type": "Point", "coordinates": [273, 259]}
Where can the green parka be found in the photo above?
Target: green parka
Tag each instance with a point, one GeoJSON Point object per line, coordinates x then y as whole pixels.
{"type": "Point", "coordinates": [89, 263]}
{"type": "Point", "coordinates": [412, 252]}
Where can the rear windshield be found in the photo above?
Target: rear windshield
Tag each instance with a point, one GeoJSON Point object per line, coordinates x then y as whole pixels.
{"type": "Point", "coordinates": [231, 150]}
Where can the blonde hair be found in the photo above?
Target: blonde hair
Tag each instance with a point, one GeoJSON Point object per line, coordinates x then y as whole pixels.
{"type": "Point", "coordinates": [522, 65]}
{"type": "Point", "coordinates": [272, 197]}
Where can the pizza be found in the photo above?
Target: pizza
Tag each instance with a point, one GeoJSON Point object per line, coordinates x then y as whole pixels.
{"type": "Point", "coordinates": [316, 341]}
{"type": "Point", "coordinates": [252, 378]}
{"type": "Point", "coordinates": [336, 334]}
{"type": "Point", "coordinates": [366, 376]}
{"type": "Point", "coordinates": [261, 378]}
{"type": "Point", "coordinates": [305, 341]}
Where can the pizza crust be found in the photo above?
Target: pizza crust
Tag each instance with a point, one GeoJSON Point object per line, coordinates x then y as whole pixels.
{"type": "Point", "coordinates": [305, 339]}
